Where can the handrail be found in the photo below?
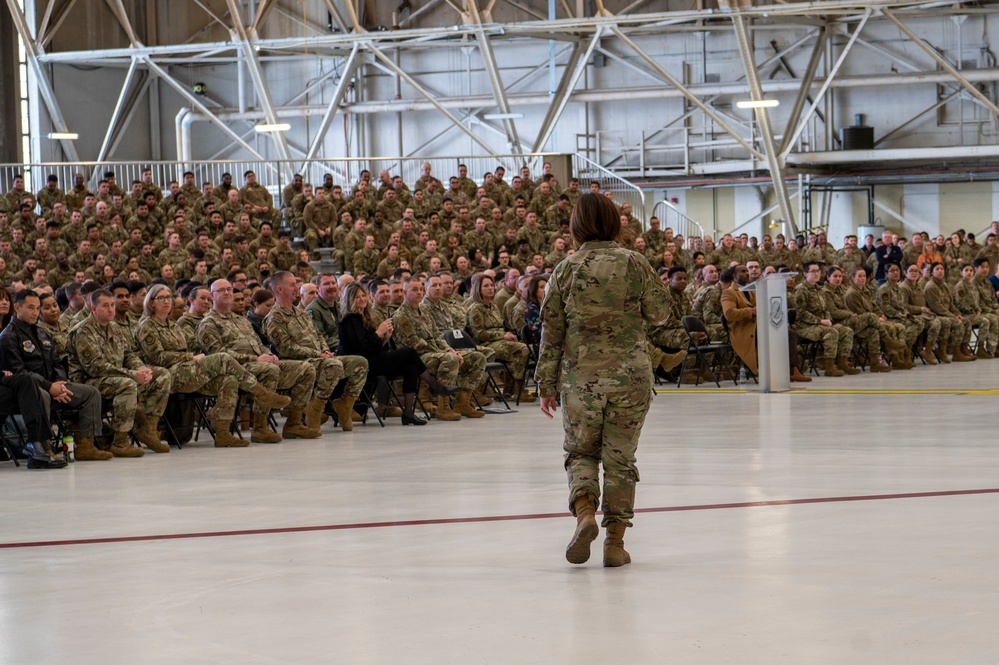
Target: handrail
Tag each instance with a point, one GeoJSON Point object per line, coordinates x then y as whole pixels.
{"type": "Point", "coordinates": [683, 225]}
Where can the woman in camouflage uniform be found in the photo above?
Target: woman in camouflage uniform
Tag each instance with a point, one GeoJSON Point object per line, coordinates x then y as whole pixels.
{"type": "Point", "coordinates": [594, 354]}
{"type": "Point", "coordinates": [161, 343]}
{"type": "Point", "coordinates": [486, 323]}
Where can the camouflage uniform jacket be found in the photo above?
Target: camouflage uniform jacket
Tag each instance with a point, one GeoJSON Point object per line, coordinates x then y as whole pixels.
{"type": "Point", "coordinates": [97, 351]}
{"type": "Point", "coordinates": [595, 310]}
{"type": "Point", "coordinates": [326, 320]}
{"type": "Point", "coordinates": [162, 343]}
{"type": "Point", "coordinates": [860, 301]}
{"type": "Point", "coordinates": [893, 301]}
{"type": "Point", "coordinates": [293, 335]}
{"type": "Point", "coordinates": [707, 305]}
{"type": "Point", "coordinates": [188, 324]}
{"type": "Point", "coordinates": [486, 323]}
{"type": "Point", "coordinates": [966, 298]}
{"type": "Point", "coordinates": [229, 333]}
{"type": "Point", "coordinates": [986, 295]}
{"type": "Point", "coordinates": [810, 304]}
{"type": "Point", "coordinates": [836, 301]}
{"type": "Point", "coordinates": [415, 329]}
{"type": "Point", "coordinates": [441, 313]}
{"type": "Point", "coordinates": [937, 298]}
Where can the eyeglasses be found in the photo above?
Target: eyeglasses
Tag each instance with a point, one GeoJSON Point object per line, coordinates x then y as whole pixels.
{"type": "Point", "coordinates": [223, 289]}
{"type": "Point", "coordinates": [162, 298]}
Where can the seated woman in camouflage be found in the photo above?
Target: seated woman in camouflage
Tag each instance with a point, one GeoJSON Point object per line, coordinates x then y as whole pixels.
{"type": "Point", "coordinates": [161, 343]}
{"type": "Point", "coordinates": [486, 323]}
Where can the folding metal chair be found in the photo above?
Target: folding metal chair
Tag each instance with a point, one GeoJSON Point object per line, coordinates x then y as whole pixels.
{"type": "Point", "coordinates": [693, 325]}
{"type": "Point", "coordinates": [459, 339]}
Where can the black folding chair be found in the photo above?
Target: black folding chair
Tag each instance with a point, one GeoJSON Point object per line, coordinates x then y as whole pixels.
{"type": "Point", "coordinates": [12, 431]}
{"type": "Point", "coordinates": [719, 350]}
{"type": "Point", "coordinates": [460, 339]}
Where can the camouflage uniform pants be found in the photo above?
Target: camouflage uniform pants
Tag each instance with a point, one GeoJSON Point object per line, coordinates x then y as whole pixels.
{"type": "Point", "coordinates": [937, 329]}
{"type": "Point", "coordinates": [604, 429]}
{"type": "Point", "coordinates": [669, 338]}
{"type": "Point", "coordinates": [218, 375]}
{"type": "Point", "coordinates": [514, 354]}
{"type": "Point", "coordinates": [960, 331]}
{"type": "Point", "coordinates": [716, 332]}
{"type": "Point", "coordinates": [837, 339]}
{"type": "Point", "coordinates": [127, 396]}
{"type": "Point", "coordinates": [911, 328]}
{"type": "Point", "coordinates": [893, 330]}
{"type": "Point", "coordinates": [329, 371]}
{"type": "Point", "coordinates": [988, 329]}
{"type": "Point", "coordinates": [297, 375]}
{"type": "Point", "coordinates": [867, 328]}
{"type": "Point", "coordinates": [467, 374]}
{"type": "Point", "coordinates": [87, 399]}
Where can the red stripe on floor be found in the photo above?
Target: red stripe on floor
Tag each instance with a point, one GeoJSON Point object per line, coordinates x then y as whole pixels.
{"type": "Point", "coordinates": [496, 518]}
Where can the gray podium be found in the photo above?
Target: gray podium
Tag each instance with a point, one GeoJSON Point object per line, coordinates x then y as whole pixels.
{"type": "Point", "coordinates": [771, 331]}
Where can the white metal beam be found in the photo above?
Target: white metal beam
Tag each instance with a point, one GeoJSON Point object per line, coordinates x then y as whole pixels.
{"type": "Point", "coordinates": [774, 162]}
{"type": "Point", "coordinates": [116, 114]}
{"type": "Point", "coordinates": [247, 39]}
{"type": "Point", "coordinates": [943, 62]}
{"type": "Point", "coordinates": [495, 79]}
{"type": "Point", "coordinates": [574, 69]}
{"type": "Point", "coordinates": [791, 137]}
{"type": "Point", "coordinates": [806, 84]}
{"type": "Point", "coordinates": [339, 93]}
{"type": "Point", "coordinates": [184, 92]}
{"type": "Point", "coordinates": [32, 51]}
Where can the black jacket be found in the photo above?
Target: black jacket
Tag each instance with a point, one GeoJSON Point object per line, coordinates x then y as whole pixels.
{"type": "Point", "coordinates": [25, 348]}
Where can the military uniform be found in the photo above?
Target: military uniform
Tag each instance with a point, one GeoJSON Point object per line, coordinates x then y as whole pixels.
{"type": "Point", "coordinates": [293, 336]}
{"type": "Point", "coordinates": [231, 333]}
{"type": "Point", "coordinates": [318, 217]}
{"type": "Point", "coordinates": [415, 329]}
{"type": "Point", "coordinates": [894, 303]}
{"type": "Point", "coordinates": [593, 352]}
{"type": "Point", "coordinates": [188, 324]}
{"type": "Point", "coordinates": [865, 325]}
{"type": "Point", "coordinates": [670, 333]}
{"type": "Point", "coordinates": [326, 319]}
{"type": "Point", "coordinates": [939, 301]}
{"type": "Point", "coordinates": [707, 307]}
{"type": "Point", "coordinates": [967, 302]}
{"type": "Point", "coordinates": [162, 344]}
{"type": "Point", "coordinates": [101, 357]}
{"type": "Point", "coordinates": [486, 325]}
{"type": "Point", "coordinates": [811, 308]}
{"type": "Point", "coordinates": [915, 301]}
{"type": "Point", "coordinates": [860, 302]}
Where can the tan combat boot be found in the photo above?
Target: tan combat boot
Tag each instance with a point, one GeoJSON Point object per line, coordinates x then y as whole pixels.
{"type": "Point", "coordinates": [982, 352]}
{"type": "Point", "coordinates": [958, 356]}
{"type": "Point", "coordinates": [261, 432]}
{"type": "Point", "coordinates": [586, 531]}
{"type": "Point", "coordinates": [523, 394]}
{"type": "Point", "coordinates": [614, 553]}
{"type": "Point", "coordinates": [86, 450]}
{"type": "Point", "coordinates": [463, 405]}
{"type": "Point", "coordinates": [966, 350]}
{"type": "Point", "coordinates": [265, 399]}
{"type": "Point", "coordinates": [429, 401]}
{"type": "Point", "coordinates": [484, 399]}
{"type": "Point", "coordinates": [927, 355]}
{"type": "Point", "coordinates": [294, 429]}
{"type": "Point", "coordinates": [829, 367]}
{"type": "Point", "coordinates": [314, 414]}
{"type": "Point", "coordinates": [224, 438]}
{"type": "Point", "coordinates": [344, 408]}
{"type": "Point", "coordinates": [389, 411]}
{"type": "Point", "coordinates": [844, 365]}
{"type": "Point", "coordinates": [941, 353]}
{"type": "Point", "coordinates": [121, 446]}
{"type": "Point", "coordinates": [798, 377]}
{"type": "Point", "coordinates": [149, 436]}
{"type": "Point", "coordinates": [671, 360]}
{"type": "Point", "coordinates": [878, 366]}
{"type": "Point", "coordinates": [444, 410]}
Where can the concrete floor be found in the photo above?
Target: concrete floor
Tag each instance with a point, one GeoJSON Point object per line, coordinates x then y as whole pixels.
{"type": "Point", "coordinates": [771, 531]}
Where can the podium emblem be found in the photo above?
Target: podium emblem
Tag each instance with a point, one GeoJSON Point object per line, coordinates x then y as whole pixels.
{"type": "Point", "coordinates": [776, 312]}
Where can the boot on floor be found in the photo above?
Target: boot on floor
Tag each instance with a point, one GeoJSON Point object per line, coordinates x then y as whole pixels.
{"type": "Point", "coordinates": [586, 531]}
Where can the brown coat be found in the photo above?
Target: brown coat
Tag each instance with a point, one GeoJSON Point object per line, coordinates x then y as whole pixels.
{"type": "Point", "coordinates": [739, 310]}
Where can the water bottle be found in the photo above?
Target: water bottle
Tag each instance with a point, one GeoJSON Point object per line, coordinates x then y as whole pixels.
{"type": "Point", "coordinates": [742, 374]}
{"type": "Point", "coordinates": [69, 448]}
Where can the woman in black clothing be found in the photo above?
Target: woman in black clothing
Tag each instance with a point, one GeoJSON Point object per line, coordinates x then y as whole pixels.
{"type": "Point", "coordinates": [360, 337]}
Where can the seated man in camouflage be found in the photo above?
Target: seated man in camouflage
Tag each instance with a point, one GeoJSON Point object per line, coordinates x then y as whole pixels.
{"type": "Point", "coordinates": [294, 337]}
{"type": "Point", "coordinates": [415, 329]}
{"type": "Point", "coordinates": [966, 300]}
{"type": "Point", "coordinates": [707, 305]}
{"type": "Point", "coordinates": [814, 322]}
{"type": "Point", "coordinates": [100, 356]}
{"type": "Point", "coordinates": [225, 331]}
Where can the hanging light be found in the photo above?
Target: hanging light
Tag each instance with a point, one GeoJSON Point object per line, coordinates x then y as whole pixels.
{"type": "Point", "coordinates": [757, 103]}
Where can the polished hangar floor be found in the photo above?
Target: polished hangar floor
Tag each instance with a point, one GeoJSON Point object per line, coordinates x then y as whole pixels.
{"type": "Point", "coordinates": [847, 523]}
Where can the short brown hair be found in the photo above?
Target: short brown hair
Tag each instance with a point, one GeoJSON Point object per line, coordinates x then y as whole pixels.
{"type": "Point", "coordinates": [594, 217]}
